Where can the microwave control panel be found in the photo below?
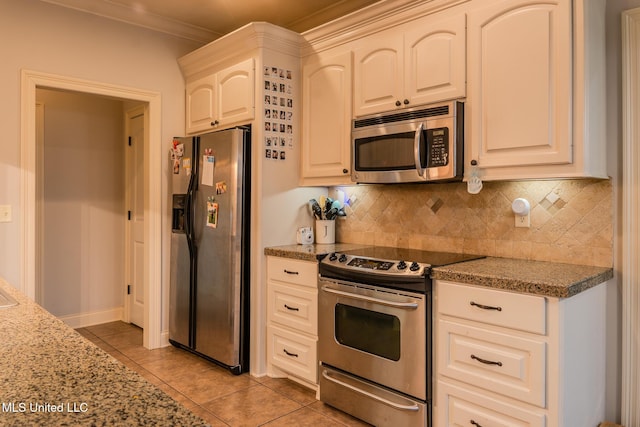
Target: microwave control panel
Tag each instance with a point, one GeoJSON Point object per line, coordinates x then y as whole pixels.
{"type": "Point", "coordinates": [438, 147]}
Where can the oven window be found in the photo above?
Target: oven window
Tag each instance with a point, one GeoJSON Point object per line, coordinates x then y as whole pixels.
{"type": "Point", "coordinates": [385, 152]}
{"type": "Point", "coordinates": [369, 331]}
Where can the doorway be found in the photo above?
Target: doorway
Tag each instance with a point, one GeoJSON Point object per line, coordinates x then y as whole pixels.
{"type": "Point", "coordinates": [81, 197]}
{"type": "Point", "coordinates": [31, 80]}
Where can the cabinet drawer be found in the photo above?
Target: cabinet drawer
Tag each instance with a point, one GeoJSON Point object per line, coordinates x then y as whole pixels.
{"type": "Point", "coordinates": [293, 306]}
{"type": "Point", "coordinates": [464, 407]}
{"type": "Point", "coordinates": [292, 353]}
{"type": "Point", "coordinates": [507, 309]}
{"type": "Point", "coordinates": [289, 270]}
{"type": "Point", "coordinates": [499, 362]}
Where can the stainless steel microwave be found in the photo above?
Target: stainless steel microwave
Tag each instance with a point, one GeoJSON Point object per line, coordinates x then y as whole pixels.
{"type": "Point", "coordinates": [414, 145]}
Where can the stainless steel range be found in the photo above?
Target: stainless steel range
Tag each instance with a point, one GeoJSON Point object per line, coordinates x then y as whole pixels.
{"type": "Point", "coordinates": [375, 333]}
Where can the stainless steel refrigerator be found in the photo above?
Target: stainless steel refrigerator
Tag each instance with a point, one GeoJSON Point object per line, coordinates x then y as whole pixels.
{"type": "Point", "coordinates": [209, 285]}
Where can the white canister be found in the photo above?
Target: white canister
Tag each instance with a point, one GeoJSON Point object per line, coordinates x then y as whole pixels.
{"type": "Point", "coordinates": [325, 231]}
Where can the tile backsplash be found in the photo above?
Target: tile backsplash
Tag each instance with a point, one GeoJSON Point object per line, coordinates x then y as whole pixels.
{"type": "Point", "coordinates": [571, 220]}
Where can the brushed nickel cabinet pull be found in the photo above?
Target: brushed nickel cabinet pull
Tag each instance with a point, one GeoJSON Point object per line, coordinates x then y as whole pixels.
{"type": "Point", "coordinates": [485, 307]}
{"type": "Point", "coordinates": [485, 361]}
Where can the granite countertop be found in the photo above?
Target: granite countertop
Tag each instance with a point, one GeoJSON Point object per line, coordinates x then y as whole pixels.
{"type": "Point", "coordinates": [310, 252]}
{"type": "Point", "coordinates": [532, 277]}
{"type": "Point", "coordinates": [51, 375]}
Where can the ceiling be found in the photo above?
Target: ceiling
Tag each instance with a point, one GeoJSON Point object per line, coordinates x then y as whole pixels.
{"type": "Point", "coordinates": [207, 20]}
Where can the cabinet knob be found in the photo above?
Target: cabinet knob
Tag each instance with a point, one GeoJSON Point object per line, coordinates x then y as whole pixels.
{"type": "Point", "coordinates": [398, 103]}
{"type": "Point", "coordinates": [345, 170]}
{"type": "Point", "coordinates": [215, 123]}
{"type": "Point", "coordinates": [406, 102]}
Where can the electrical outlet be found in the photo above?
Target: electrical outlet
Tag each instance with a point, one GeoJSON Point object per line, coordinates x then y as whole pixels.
{"type": "Point", "coordinates": [523, 221]}
{"type": "Point", "coordinates": [5, 213]}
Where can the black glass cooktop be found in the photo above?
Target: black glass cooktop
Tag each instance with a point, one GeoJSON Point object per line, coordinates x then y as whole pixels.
{"type": "Point", "coordinates": [434, 259]}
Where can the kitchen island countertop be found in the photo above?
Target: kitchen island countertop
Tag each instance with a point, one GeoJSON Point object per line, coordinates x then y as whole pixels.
{"type": "Point", "coordinates": [532, 277]}
{"type": "Point", "coordinates": [51, 375]}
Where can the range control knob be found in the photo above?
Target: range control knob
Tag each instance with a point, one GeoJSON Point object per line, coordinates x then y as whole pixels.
{"type": "Point", "coordinates": [333, 257]}
{"type": "Point", "coordinates": [402, 265]}
{"type": "Point", "coordinates": [414, 266]}
{"type": "Point", "coordinates": [343, 258]}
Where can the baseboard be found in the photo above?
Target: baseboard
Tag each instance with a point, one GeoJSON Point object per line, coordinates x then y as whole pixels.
{"type": "Point", "coordinates": [83, 320]}
{"type": "Point", "coordinates": [164, 339]}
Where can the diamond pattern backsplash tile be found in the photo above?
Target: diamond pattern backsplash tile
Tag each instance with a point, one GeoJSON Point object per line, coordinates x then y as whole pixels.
{"type": "Point", "coordinates": [571, 220]}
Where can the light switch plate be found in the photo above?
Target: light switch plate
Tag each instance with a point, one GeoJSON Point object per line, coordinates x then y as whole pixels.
{"type": "Point", "coordinates": [5, 213]}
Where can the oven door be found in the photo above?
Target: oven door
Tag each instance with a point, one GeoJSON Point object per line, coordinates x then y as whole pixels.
{"type": "Point", "coordinates": [376, 333]}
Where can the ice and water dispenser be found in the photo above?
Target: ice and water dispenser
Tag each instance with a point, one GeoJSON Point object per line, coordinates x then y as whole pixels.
{"type": "Point", "coordinates": [179, 204]}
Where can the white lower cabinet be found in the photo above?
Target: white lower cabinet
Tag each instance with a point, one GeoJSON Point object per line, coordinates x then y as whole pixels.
{"type": "Point", "coordinates": [292, 316]}
{"type": "Point", "coordinates": [461, 406]}
{"type": "Point", "coordinates": [511, 359]}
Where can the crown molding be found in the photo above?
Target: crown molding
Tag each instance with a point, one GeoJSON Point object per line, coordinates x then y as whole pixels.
{"type": "Point", "coordinates": [146, 20]}
{"type": "Point", "coordinates": [243, 42]}
{"type": "Point", "coordinates": [370, 20]}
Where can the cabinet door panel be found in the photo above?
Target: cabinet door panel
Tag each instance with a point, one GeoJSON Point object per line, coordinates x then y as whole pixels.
{"type": "Point", "coordinates": [378, 75]}
{"type": "Point", "coordinates": [520, 83]}
{"type": "Point", "coordinates": [235, 93]}
{"type": "Point", "coordinates": [326, 116]}
{"type": "Point", "coordinates": [200, 103]}
{"type": "Point", "coordinates": [435, 60]}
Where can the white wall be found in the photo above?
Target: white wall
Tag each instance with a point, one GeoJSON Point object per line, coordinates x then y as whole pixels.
{"type": "Point", "coordinates": [47, 38]}
{"type": "Point", "coordinates": [613, 111]}
{"type": "Point", "coordinates": [83, 211]}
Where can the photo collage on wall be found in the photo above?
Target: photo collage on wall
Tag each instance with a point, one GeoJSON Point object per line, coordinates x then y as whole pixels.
{"type": "Point", "coordinates": [278, 112]}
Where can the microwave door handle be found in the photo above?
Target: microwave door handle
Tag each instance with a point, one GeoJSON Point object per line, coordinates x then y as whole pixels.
{"type": "Point", "coordinates": [416, 149]}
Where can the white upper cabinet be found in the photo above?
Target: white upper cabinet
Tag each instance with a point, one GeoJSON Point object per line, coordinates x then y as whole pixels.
{"type": "Point", "coordinates": [528, 95]}
{"type": "Point", "coordinates": [520, 82]}
{"type": "Point", "coordinates": [200, 101]}
{"type": "Point", "coordinates": [326, 119]}
{"type": "Point", "coordinates": [235, 93]}
{"type": "Point", "coordinates": [418, 63]}
{"type": "Point", "coordinates": [221, 98]}
{"type": "Point", "coordinates": [434, 60]}
{"type": "Point", "coordinates": [378, 81]}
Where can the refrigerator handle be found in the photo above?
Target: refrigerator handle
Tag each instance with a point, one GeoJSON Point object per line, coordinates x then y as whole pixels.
{"type": "Point", "coordinates": [191, 189]}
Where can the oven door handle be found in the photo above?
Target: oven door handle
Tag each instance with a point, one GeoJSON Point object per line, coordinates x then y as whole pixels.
{"type": "Point", "coordinates": [404, 305]}
{"type": "Point", "coordinates": [394, 405]}
{"type": "Point", "coordinates": [416, 149]}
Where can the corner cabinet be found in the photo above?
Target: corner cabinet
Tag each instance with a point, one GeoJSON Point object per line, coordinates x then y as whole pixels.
{"type": "Point", "coordinates": [292, 319]}
{"type": "Point", "coordinates": [535, 89]}
{"type": "Point", "coordinates": [221, 99]}
{"type": "Point", "coordinates": [419, 63]}
{"type": "Point", "coordinates": [505, 358]}
{"type": "Point", "coordinates": [326, 119]}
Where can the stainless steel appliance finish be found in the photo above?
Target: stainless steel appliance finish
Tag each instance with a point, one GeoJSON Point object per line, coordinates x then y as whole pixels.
{"type": "Point", "coordinates": [374, 336]}
{"type": "Point", "coordinates": [412, 145]}
{"type": "Point", "coordinates": [209, 249]}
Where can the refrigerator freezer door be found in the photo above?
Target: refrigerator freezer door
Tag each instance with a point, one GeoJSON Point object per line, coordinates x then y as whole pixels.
{"type": "Point", "coordinates": [218, 237]}
{"type": "Point", "coordinates": [180, 290]}
{"type": "Point", "coordinates": [180, 281]}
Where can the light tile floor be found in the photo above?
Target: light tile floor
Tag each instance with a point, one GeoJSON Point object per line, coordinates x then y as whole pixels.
{"type": "Point", "coordinates": [220, 398]}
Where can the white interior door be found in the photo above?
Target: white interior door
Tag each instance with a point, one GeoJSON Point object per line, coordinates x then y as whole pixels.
{"type": "Point", "coordinates": [135, 216]}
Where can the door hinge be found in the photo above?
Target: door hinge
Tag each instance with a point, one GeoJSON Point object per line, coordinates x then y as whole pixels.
{"type": "Point", "coordinates": [128, 289]}
{"type": "Point", "coordinates": [129, 141]}
{"type": "Point", "coordinates": [128, 215]}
